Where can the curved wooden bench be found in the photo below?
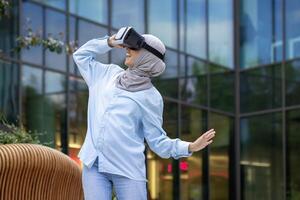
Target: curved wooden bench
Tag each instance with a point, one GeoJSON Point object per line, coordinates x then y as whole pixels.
{"type": "Point", "coordinates": [30, 171]}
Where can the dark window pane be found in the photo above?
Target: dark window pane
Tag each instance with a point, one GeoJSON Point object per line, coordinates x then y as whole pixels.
{"type": "Point", "coordinates": [222, 88]}
{"type": "Point", "coordinates": [219, 156]}
{"type": "Point", "coordinates": [292, 28]}
{"type": "Point", "coordinates": [9, 91]}
{"type": "Point", "coordinates": [77, 116]}
{"type": "Point", "coordinates": [194, 89]}
{"type": "Point", "coordinates": [128, 13]}
{"type": "Point", "coordinates": [163, 21]}
{"type": "Point", "coordinates": [56, 28]}
{"type": "Point", "coordinates": [55, 106]}
{"type": "Point", "coordinates": [160, 171]}
{"type": "Point", "coordinates": [32, 18]}
{"type": "Point", "coordinates": [167, 87]}
{"type": "Point", "coordinates": [193, 123]}
{"type": "Point", "coordinates": [55, 3]}
{"type": "Point", "coordinates": [261, 157]}
{"type": "Point", "coordinates": [293, 162]}
{"type": "Point", "coordinates": [33, 100]}
{"type": "Point", "coordinates": [94, 31]}
{"type": "Point", "coordinates": [260, 88]}
{"type": "Point", "coordinates": [195, 28]}
{"type": "Point", "coordinates": [93, 9]}
{"type": "Point", "coordinates": [292, 75]}
{"type": "Point", "coordinates": [220, 27]}
{"type": "Point", "coordinates": [8, 33]}
{"type": "Point", "coordinates": [261, 32]}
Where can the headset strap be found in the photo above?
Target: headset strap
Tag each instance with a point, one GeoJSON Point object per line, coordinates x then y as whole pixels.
{"type": "Point", "coordinates": [154, 51]}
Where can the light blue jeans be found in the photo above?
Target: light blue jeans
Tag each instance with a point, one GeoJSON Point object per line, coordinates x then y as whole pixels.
{"type": "Point", "coordinates": [98, 185]}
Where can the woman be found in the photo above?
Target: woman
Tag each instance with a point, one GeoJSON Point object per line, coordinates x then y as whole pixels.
{"type": "Point", "coordinates": [124, 109]}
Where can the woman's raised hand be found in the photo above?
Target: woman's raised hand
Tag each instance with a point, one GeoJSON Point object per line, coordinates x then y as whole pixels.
{"type": "Point", "coordinates": [111, 40]}
{"type": "Point", "coordinates": [204, 140]}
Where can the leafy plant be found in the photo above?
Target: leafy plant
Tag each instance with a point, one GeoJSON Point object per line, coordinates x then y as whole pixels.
{"type": "Point", "coordinates": [12, 134]}
{"type": "Point", "coordinates": [51, 43]}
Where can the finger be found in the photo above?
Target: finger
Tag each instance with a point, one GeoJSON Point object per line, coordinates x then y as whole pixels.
{"type": "Point", "coordinates": [209, 134]}
{"type": "Point", "coordinates": [209, 142]}
{"type": "Point", "coordinates": [209, 131]}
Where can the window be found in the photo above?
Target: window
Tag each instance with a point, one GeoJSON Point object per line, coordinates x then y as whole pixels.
{"type": "Point", "coordinates": [163, 21]}
{"type": "Point", "coordinates": [128, 13]}
{"type": "Point", "coordinates": [261, 157]}
{"type": "Point", "coordinates": [261, 32]}
{"type": "Point", "coordinates": [96, 10]}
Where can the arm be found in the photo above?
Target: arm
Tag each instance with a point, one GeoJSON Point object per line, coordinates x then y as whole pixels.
{"type": "Point", "coordinates": [157, 138]}
{"type": "Point", "coordinates": [161, 144]}
{"type": "Point", "coordinates": [90, 69]}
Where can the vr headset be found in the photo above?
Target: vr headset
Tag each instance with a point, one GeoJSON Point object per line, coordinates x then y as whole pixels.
{"type": "Point", "coordinates": [128, 37]}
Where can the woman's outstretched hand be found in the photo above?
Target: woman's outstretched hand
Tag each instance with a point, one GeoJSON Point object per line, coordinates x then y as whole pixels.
{"type": "Point", "coordinates": [204, 140]}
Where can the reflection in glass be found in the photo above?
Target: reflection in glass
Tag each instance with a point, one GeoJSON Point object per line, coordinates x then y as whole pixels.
{"type": "Point", "coordinates": [55, 106]}
{"type": "Point", "coordinates": [195, 28]}
{"type": "Point", "coordinates": [128, 14]}
{"type": "Point", "coordinates": [78, 100]}
{"type": "Point", "coordinates": [222, 90]}
{"type": "Point", "coordinates": [292, 28]}
{"type": "Point", "coordinates": [167, 87]}
{"type": "Point", "coordinates": [171, 65]}
{"type": "Point", "coordinates": [56, 28]}
{"type": "Point", "coordinates": [261, 157]}
{"type": "Point", "coordinates": [55, 3]}
{"type": "Point", "coordinates": [261, 32]}
{"type": "Point", "coordinates": [33, 100]}
{"type": "Point", "coordinates": [219, 156]}
{"type": "Point", "coordinates": [292, 76]}
{"type": "Point", "coordinates": [260, 88]}
{"type": "Point", "coordinates": [160, 171]}
{"type": "Point", "coordinates": [56, 82]}
{"type": "Point", "coordinates": [193, 123]}
{"type": "Point", "coordinates": [95, 9]}
{"type": "Point", "coordinates": [9, 96]}
{"type": "Point", "coordinates": [193, 88]}
{"type": "Point", "coordinates": [32, 80]}
{"type": "Point", "coordinates": [32, 17]}
{"type": "Point", "coordinates": [293, 162]}
{"type": "Point", "coordinates": [94, 31]}
{"type": "Point", "coordinates": [162, 21]}
{"type": "Point", "coordinates": [72, 38]}
{"type": "Point", "coordinates": [220, 27]}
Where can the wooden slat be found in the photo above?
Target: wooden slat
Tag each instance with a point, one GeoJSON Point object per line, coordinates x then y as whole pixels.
{"type": "Point", "coordinates": [35, 172]}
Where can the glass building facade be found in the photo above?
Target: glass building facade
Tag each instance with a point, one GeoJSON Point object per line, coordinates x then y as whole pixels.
{"type": "Point", "coordinates": [232, 65]}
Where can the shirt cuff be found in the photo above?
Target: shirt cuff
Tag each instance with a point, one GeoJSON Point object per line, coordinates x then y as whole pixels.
{"type": "Point", "coordinates": [183, 149]}
{"type": "Point", "coordinates": [104, 43]}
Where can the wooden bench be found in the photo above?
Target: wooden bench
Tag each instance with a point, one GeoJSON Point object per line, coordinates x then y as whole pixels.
{"type": "Point", "coordinates": [30, 171]}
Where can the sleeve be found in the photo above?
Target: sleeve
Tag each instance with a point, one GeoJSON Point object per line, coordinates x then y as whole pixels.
{"type": "Point", "coordinates": [157, 138]}
{"type": "Point", "coordinates": [90, 69]}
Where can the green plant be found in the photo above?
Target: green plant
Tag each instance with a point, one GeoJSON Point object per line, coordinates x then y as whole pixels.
{"type": "Point", "coordinates": [12, 134]}
{"type": "Point", "coordinates": [4, 8]}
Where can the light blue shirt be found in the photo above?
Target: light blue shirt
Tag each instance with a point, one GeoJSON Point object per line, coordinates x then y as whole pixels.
{"type": "Point", "coordinates": [119, 120]}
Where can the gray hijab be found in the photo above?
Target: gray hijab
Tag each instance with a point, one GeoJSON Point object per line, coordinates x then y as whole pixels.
{"type": "Point", "coordinates": [147, 65]}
